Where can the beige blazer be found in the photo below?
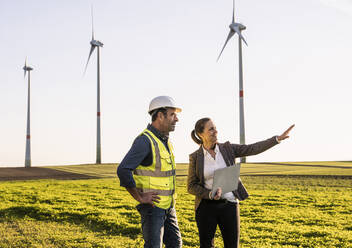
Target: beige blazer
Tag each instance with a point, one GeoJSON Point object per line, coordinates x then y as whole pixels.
{"type": "Point", "coordinates": [195, 181]}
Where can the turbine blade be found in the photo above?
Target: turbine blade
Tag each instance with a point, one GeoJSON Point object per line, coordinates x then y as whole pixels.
{"type": "Point", "coordinates": [90, 53]}
{"type": "Point", "coordinates": [92, 22]}
{"type": "Point", "coordinates": [227, 39]}
{"type": "Point", "coordinates": [25, 67]}
{"type": "Point", "coordinates": [240, 35]}
{"type": "Point", "coordinates": [233, 12]}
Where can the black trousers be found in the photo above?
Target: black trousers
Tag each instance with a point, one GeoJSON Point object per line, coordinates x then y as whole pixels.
{"type": "Point", "coordinates": [211, 213]}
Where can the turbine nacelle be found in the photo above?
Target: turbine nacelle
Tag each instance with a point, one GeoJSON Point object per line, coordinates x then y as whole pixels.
{"type": "Point", "coordinates": [237, 26]}
{"type": "Point", "coordinates": [27, 68]}
{"type": "Point", "coordinates": [96, 43]}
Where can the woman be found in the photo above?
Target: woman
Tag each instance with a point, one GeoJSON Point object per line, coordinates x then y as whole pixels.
{"type": "Point", "coordinates": [223, 209]}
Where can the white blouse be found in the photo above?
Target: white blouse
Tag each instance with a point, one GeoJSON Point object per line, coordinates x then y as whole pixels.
{"type": "Point", "coordinates": [210, 165]}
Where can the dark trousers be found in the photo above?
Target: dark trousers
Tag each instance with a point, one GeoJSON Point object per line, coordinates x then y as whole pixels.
{"type": "Point", "coordinates": [211, 213]}
{"type": "Point", "coordinates": [159, 226]}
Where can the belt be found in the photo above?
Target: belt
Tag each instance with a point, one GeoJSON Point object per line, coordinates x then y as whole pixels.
{"type": "Point", "coordinates": [217, 201]}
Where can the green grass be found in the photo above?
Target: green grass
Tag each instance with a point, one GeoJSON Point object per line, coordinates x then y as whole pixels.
{"type": "Point", "coordinates": [73, 213]}
{"type": "Point", "coordinates": [282, 211]}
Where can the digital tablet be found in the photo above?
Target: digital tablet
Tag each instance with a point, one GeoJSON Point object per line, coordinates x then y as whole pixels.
{"type": "Point", "coordinates": [226, 179]}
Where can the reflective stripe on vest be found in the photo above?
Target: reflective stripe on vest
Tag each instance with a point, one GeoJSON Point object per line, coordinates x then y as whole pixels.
{"type": "Point", "coordinates": [154, 173]}
{"type": "Point", "coordinates": [158, 191]}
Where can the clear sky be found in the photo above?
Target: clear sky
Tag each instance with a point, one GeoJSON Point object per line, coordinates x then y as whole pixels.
{"type": "Point", "coordinates": [297, 69]}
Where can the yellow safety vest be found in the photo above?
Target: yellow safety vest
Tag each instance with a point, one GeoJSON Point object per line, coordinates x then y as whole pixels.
{"type": "Point", "coordinates": [160, 176]}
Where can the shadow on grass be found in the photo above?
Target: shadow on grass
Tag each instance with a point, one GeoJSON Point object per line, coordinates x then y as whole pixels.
{"type": "Point", "coordinates": [89, 220]}
{"type": "Point", "coordinates": [315, 234]}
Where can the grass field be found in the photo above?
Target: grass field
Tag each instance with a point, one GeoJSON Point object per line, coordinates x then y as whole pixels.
{"type": "Point", "coordinates": [289, 206]}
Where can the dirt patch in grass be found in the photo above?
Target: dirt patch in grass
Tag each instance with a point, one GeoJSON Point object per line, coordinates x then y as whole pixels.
{"type": "Point", "coordinates": [34, 173]}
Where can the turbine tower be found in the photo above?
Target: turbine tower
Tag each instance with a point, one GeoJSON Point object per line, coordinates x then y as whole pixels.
{"type": "Point", "coordinates": [237, 28]}
{"type": "Point", "coordinates": [27, 162]}
{"type": "Point", "coordinates": [96, 44]}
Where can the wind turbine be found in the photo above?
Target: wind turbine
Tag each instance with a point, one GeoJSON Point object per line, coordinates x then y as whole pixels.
{"type": "Point", "coordinates": [96, 44]}
{"type": "Point", "coordinates": [237, 28]}
{"type": "Point", "coordinates": [27, 162]}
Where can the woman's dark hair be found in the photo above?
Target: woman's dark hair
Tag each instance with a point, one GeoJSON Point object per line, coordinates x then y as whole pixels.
{"type": "Point", "coordinates": [198, 129]}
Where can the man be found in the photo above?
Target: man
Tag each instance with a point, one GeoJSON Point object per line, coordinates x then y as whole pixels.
{"type": "Point", "coordinates": [148, 174]}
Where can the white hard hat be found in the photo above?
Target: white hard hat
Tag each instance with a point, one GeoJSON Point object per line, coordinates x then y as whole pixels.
{"type": "Point", "coordinates": [162, 102]}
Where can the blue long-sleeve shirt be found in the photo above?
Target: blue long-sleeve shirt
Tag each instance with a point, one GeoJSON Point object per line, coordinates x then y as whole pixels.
{"type": "Point", "coordinates": [139, 154]}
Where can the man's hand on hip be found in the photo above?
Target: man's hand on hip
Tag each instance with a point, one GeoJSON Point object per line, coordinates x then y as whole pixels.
{"type": "Point", "coordinates": [149, 198]}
